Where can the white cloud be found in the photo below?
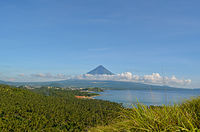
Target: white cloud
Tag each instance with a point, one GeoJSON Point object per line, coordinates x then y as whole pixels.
{"type": "Point", "coordinates": [49, 76]}
{"type": "Point", "coordinates": [21, 74]}
{"type": "Point", "coordinates": [11, 79]}
{"type": "Point", "coordinates": [154, 78]}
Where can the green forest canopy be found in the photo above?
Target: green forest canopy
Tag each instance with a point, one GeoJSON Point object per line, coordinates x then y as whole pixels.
{"type": "Point", "coordinates": [52, 110]}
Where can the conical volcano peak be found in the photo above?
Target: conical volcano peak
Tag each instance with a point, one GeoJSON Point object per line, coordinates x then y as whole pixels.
{"type": "Point", "coordinates": [100, 70]}
{"type": "Point", "coordinates": [100, 66]}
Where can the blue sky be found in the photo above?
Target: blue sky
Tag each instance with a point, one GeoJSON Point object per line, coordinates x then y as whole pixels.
{"type": "Point", "coordinates": [74, 36]}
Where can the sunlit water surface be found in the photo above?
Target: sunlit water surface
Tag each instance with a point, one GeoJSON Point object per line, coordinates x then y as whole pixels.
{"type": "Point", "coordinates": [147, 97]}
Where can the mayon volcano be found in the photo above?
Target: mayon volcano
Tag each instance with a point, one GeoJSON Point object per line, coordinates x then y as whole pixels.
{"type": "Point", "coordinates": [100, 70]}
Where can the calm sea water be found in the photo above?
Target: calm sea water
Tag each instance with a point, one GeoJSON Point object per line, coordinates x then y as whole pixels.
{"type": "Point", "coordinates": [147, 97]}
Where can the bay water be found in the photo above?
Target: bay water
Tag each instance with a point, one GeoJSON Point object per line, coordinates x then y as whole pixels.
{"type": "Point", "coordinates": [148, 97]}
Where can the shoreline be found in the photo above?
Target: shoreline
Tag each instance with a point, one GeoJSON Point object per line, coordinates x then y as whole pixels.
{"type": "Point", "coordinates": [86, 97]}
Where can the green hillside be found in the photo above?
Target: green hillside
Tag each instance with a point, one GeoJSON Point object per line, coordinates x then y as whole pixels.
{"type": "Point", "coordinates": [57, 109]}
{"type": "Point", "coordinates": [51, 110]}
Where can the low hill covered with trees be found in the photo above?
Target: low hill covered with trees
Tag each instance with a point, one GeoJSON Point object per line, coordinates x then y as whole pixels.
{"type": "Point", "coordinates": [52, 110]}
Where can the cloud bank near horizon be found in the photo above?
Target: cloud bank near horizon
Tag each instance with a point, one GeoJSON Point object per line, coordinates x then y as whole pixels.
{"type": "Point", "coordinates": [49, 76]}
{"type": "Point", "coordinates": [154, 78]}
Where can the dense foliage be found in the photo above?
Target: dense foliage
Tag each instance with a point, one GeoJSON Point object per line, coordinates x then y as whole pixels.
{"type": "Point", "coordinates": [51, 110]}
{"type": "Point", "coordinates": [57, 109]}
{"type": "Point", "coordinates": [95, 89]}
{"type": "Point", "coordinates": [184, 117]}
{"type": "Point", "coordinates": [62, 92]}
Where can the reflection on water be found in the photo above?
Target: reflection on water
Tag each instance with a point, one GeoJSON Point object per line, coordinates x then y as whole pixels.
{"type": "Point", "coordinates": [147, 97]}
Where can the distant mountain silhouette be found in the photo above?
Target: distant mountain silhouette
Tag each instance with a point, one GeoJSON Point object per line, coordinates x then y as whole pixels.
{"type": "Point", "coordinates": [76, 83]}
{"type": "Point", "coordinates": [100, 70]}
{"type": "Point", "coordinates": [2, 82]}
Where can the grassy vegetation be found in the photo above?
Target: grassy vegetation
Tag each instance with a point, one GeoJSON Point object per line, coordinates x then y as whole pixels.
{"type": "Point", "coordinates": [58, 110]}
{"type": "Point", "coordinates": [184, 117]}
